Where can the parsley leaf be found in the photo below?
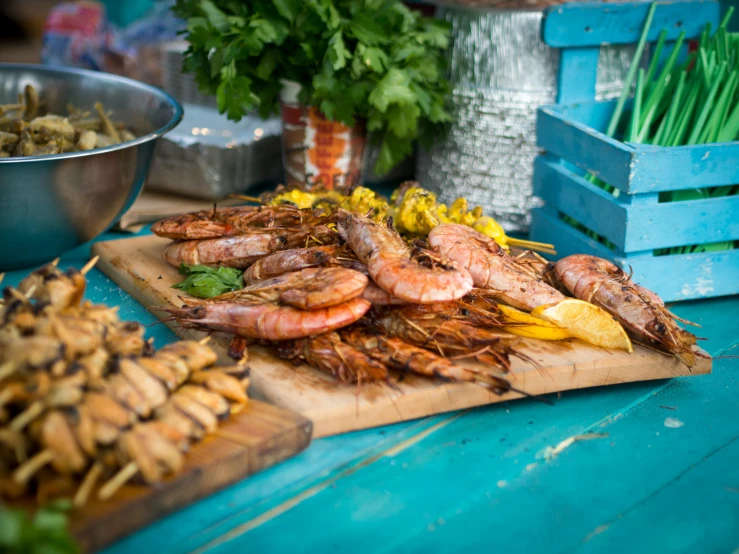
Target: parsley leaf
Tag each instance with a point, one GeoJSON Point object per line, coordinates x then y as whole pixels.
{"type": "Point", "coordinates": [288, 9]}
{"type": "Point", "coordinates": [367, 30]}
{"type": "Point", "coordinates": [393, 88]}
{"type": "Point", "coordinates": [205, 282]}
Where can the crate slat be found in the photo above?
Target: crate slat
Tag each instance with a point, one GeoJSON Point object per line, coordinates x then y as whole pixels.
{"type": "Point", "coordinates": [633, 227]}
{"type": "Point", "coordinates": [592, 23]}
{"type": "Point", "coordinates": [564, 191]}
{"type": "Point", "coordinates": [584, 146]}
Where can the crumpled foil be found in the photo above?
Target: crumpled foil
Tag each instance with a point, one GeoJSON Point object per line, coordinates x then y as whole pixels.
{"type": "Point", "coordinates": [501, 72]}
{"type": "Point", "coordinates": [207, 156]}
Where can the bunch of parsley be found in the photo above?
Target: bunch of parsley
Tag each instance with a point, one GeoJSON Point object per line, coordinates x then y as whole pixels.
{"type": "Point", "coordinates": [374, 60]}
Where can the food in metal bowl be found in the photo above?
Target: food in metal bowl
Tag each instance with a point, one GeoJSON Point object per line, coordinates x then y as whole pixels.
{"type": "Point", "coordinates": [26, 129]}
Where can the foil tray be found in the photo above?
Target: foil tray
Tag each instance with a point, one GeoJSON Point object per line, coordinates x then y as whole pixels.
{"type": "Point", "coordinates": [209, 157]}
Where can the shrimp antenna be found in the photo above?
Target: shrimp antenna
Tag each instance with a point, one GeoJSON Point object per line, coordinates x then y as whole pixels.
{"type": "Point", "coordinates": [246, 198]}
{"type": "Point", "coordinates": [532, 396]}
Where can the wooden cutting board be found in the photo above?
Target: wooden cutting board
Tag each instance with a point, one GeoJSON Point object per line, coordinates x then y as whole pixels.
{"type": "Point", "coordinates": [138, 267]}
{"type": "Point", "coordinates": [254, 439]}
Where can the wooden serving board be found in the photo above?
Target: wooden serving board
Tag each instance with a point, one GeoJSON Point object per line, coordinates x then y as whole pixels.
{"type": "Point", "coordinates": [138, 267]}
{"type": "Point", "coordinates": [254, 439]}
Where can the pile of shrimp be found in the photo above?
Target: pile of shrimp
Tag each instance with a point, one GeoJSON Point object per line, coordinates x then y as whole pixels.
{"type": "Point", "coordinates": [349, 296]}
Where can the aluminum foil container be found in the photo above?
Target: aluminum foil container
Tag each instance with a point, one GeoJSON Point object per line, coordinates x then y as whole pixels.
{"type": "Point", "coordinates": [207, 156]}
{"type": "Point", "coordinates": [501, 72]}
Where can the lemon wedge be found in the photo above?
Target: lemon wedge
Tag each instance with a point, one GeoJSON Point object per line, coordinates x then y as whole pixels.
{"type": "Point", "coordinates": [587, 322]}
{"type": "Point", "coordinates": [532, 327]}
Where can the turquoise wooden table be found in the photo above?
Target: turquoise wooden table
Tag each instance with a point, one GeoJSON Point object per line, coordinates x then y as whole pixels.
{"type": "Point", "coordinates": [663, 478]}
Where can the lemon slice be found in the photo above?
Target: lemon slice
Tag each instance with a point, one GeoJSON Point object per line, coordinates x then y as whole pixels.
{"type": "Point", "coordinates": [532, 327]}
{"type": "Point", "coordinates": [587, 322]}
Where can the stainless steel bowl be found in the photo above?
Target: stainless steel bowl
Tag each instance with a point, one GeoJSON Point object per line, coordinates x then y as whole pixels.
{"type": "Point", "coordinates": [49, 204]}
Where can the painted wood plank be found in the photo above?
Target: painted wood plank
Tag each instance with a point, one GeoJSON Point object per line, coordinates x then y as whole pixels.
{"type": "Point", "coordinates": [274, 490]}
{"type": "Point", "coordinates": [578, 72]}
{"type": "Point", "coordinates": [547, 227]}
{"type": "Point", "coordinates": [594, 114]}
{"type": "Point", "coordinates": [687, 276]}
{"type": "Point", "coordinates": [680, 223]}
{"type": "Point", "coordinates": [594, 23]}
{"type": "Point", "coordinates": [712, 488]}
{"type": "Point", "coordinates": [635, 226]}
{"type": "Point", "coordinates": [573, 132]}
{"type": "Point", "coordinates": [595, 482]}
{"type": "Point", "coordinates": [492, 441]}
{"type": "Point", "coordinates": [585, 147]}
{"type": "Point", "coordinates": [565, 192]}
{"type": "Point", "coordinates": [683, 167]}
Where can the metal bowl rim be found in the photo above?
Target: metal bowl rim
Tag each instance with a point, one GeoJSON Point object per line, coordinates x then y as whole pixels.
{"type": "Point", "coordinates": [109, 77]}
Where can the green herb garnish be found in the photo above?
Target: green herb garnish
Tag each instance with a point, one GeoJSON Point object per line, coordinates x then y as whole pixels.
{"type": "Point", "coordinates": [205, 282]}
{"type": "Point", "coordinates": [45, 531]}
{"type": "Point", "coordinates": [374, 60]}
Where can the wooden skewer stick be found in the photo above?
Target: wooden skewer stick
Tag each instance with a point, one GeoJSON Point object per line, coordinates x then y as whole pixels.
{"type": "Point", "coordinates": [27, 470]}
{"type": "Point", "coordinates": [2, 276]}
{"type": "Point", "coordinates": [118, 480]}
{"type": "Point", "coordinates": [27, 416]}
{"type": "Point", "coordinates": [6, 396]}
{"type": "Point", "coordinates": [7, 369]}
{"type": "Point", "coordinates": [18, 295]}
{"type": "Point", "coordinates": [88, 483]}
{"type": "Point", "coordinates": [204, 341]}
{"type": "Point", "coordinates": [89, 265]}
{"type": "Point", "coordinates": [245, 197]}
{"type": "Point", "coordinates": [30, 291]}
{"type": "Point", "coordinates": [54, 262]}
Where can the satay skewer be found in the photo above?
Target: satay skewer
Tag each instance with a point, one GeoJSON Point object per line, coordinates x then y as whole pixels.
{"type": "Point", "coordinates": [89, 265]}
{"type": "Point", "coordinates": [185, 394]}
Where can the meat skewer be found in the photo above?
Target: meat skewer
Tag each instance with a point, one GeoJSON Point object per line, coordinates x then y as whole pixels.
{"type": "Point", "coordinates": [85, 400]}
{"type": "Point", "coordinates": [153, 447]}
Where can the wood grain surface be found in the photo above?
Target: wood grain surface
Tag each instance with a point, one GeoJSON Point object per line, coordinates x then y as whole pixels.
{"type": "Point", "coordinates": [137, 266]}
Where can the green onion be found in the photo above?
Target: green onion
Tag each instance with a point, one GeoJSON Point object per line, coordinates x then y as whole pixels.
{"type": "Point", "coordinates": [695, 133]}
{"type": "Point", "coordinates": [629, 81]}
{"type": "Point", "coordinates": [634, 129]}
{"type": "Point", "coordinates": [656, 55]}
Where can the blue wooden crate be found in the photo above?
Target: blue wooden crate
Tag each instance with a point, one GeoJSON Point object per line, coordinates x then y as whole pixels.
{"type": "Point", "coordinates": [635, 222]}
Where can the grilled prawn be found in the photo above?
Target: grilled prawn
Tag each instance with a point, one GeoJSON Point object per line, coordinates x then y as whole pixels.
{"type": "Point", "coordinates": [389, 262]}
{"type": "Point", "coordinates": [329, 353]}
{"type": "Point", "coordinates": [396, 354]}
{"type": "Point", "coordinates": [491, 268]}
{"type": "Point", "coordinates": [640, 311]}
{"type": "Point", "coordinates": [227, 222]}
{"type": "Point", "coordinates": [242, 250]}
